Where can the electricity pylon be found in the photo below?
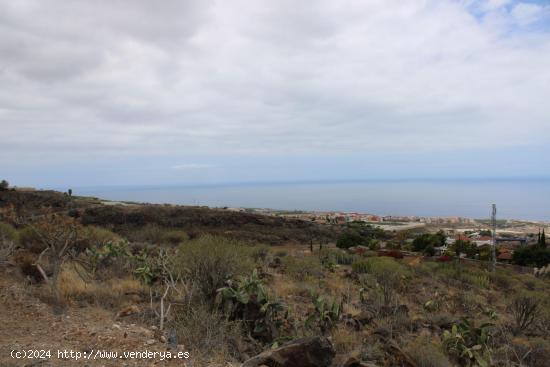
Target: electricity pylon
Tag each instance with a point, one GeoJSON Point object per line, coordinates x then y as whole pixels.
{"type": "Point", "coordinates": [493, 238]}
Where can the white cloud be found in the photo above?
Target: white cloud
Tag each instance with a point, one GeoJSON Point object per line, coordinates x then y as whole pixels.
{"type": "Point", "coordinates": [496, 4]}
{"type": "Point", "coordinates": [526, 13]}
{"type": "Point", "coordinates": [261, 77]}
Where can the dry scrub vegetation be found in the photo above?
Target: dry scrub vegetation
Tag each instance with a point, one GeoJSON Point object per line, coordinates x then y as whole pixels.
{"type": "Point", "coordinates": [225, 301]}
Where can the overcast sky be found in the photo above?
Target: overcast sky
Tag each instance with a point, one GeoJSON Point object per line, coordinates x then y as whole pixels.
{"type": "Point", "coordinates": [168, 92]}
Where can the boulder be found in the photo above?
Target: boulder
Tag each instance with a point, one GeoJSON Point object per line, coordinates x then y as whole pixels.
{"type": "Point", "coordinates": [127, 311]}
{"type": "Point", "coordinates": [355, 362]}
{"type": "Point", "coordinates": [352, 359]}
{"type": "Point", "coordinates": [275, 263]}
{"type": "Point", "coordinates": [316, 351]}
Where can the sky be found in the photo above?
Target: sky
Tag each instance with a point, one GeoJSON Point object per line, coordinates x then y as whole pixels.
{"type": "Point", "coordinates": [182, 92]}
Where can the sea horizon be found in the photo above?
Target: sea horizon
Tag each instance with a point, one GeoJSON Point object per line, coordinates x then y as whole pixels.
{"type": "Point", "coordinates": [520, 198]}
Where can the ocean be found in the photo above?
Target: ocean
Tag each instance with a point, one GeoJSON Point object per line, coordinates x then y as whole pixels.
{"type": "Point", "coordinates": [527, 199]}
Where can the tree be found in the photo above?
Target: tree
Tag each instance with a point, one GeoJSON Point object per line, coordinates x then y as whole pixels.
{"type": "Point", "coordinates": [351, 238]}
{"type": "Point", "coordinates": [542, 239]}
{"type": "Point", "coordinates": [70, 192]}
{"type": "Point", "coordinates": [59, 235]}
{"type": "Point", "coordinates": [531, 256]}
{"type": "Point", "coordinates": [429, 239]}
{"type": "Point", "coordinates": [464, 247]}
{"type": "Point", "coordinates": [429, 250]}
{"type": "Point", "coordinates": [8, 242]}
{"type": "Point", "coordinates": [4, 185]}
{"type": "Point", "coordinates": [486, 232]}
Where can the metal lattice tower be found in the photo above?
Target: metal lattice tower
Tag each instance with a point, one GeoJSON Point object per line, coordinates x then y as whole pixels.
{"type": "Point", "coordinates": [493, 238]}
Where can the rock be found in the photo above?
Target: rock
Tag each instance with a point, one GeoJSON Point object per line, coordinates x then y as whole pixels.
{"type": "Point", "coordinates": [127, 311]}
{"type": "Point", "coordinates": [364, 317]}
{"type": "Point", "coordinates": [172, 340]}
{"type": "Point", "coordinates": [352, 359]}
{"type": "Point", "coordinates": [402, 309]}
{"type": "Point", "coordinates": [425, 332]}
{"type": "Point", "coordinates": [162, 339]}
{"type": "Point", "coordinates": [150, 342]}
{"type": "Point", "coordinates": [143, 331]}
{"type": "Point", "coordinates": [354, 362]}
{"type": "Point", "coordinates": [314, 351]}
{"type": "Point", "coordinates": [116, 326]}
{"type": "Point", "coordinates": [275, 263]}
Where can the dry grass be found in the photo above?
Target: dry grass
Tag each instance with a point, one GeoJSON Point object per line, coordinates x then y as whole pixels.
{"type": "Point", "coordinates": [112, 293]}
{"type": "Point", "coordinates": [209, 335]}
{"type": "Point", "coordinates": [303, 268]}
{"type": "Point", "coordinates": [346, 340]}
{"type": "Point", "coordinates": [427, 353]}
{"type": "Point", "coordinates": [286, 288]}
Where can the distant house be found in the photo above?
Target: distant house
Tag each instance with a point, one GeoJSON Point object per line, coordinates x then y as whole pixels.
{"type": "Point", "coordinates": [459, 237]}
{"type": "Point", "coordinates": [341, 219]}
{"type": "Point", "coordinates": [483, 240]}
{"type": "Point", "coordinates": [462, 237]}
{"type": "Point", "coordinates": [505, 256]}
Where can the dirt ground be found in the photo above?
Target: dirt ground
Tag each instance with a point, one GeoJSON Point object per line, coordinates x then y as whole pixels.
{"type": "Point", "coordinates": [27, 324]}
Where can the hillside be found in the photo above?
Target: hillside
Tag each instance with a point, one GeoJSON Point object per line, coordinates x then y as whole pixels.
{"type": "Point", "coordinates": [89, 276]}
{"type": "Point", "coordinates": [126, 218]}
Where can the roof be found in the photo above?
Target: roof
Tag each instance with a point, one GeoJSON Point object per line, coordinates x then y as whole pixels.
{"type": "Point", "coordinates": [505, 256]}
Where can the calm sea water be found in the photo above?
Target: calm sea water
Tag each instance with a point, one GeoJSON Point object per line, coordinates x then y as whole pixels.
{"type": "Point", "coordinates": [518, 199]}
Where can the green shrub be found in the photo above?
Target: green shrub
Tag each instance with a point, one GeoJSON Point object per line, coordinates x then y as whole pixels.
{"type": "Point", "coordinates": [325, 315]}
{"type": "Point", "coordinates": [8, 233]}
{"type": "Point", "coordinates": [464, 247]}
{"type": "Point", "coordinates": [104, 255]}
{"type": "Point", "coordinates": [281, 253]}
{"type": "Point", "coordinates": [151, 233]}
{"type": "Point", "coordinates": [379, 266]}
{"type": "Point", "coordinates": [428, 239]}
{"type": "Point", "coordinates": [8, 241]}
{"type": "Point", "coordinates": [29, 239]}
{"type": "Point", "coordinates": [210, 261]}
{"type": "Point", "coordinates": [538, 354]}
{"type": "Point", "coordinates": [478, 280]}
{"type": "Point", "coordinates": [531, 256]}
{"type": "Point", "coordinates": [340, 257]}
{"type": "Point", "coordinates": [302, 268]}
{"type": "Point", "coordinates": [469, 343]}
{"type": "Point", "coordinates": [502, 280]}
{"type": "Point", "coordinates": [525, 309]}
{"type": "Point", "coordinates": [351, 238]}
{"type": "Point", "coordinates": [361, 266]}
{"type": "Point", "coordinates": [92, 236]}
{"type": "Point", "coordinates": [389, 275]}
{"type": "Point", "coordinates": [260, 253]}
{"type": "Point", "coordinates": [247, 299]}
{"type": "Point", "coordinates": [429, 250]}
{"type": "Point", "coordinates": [174, 236]}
